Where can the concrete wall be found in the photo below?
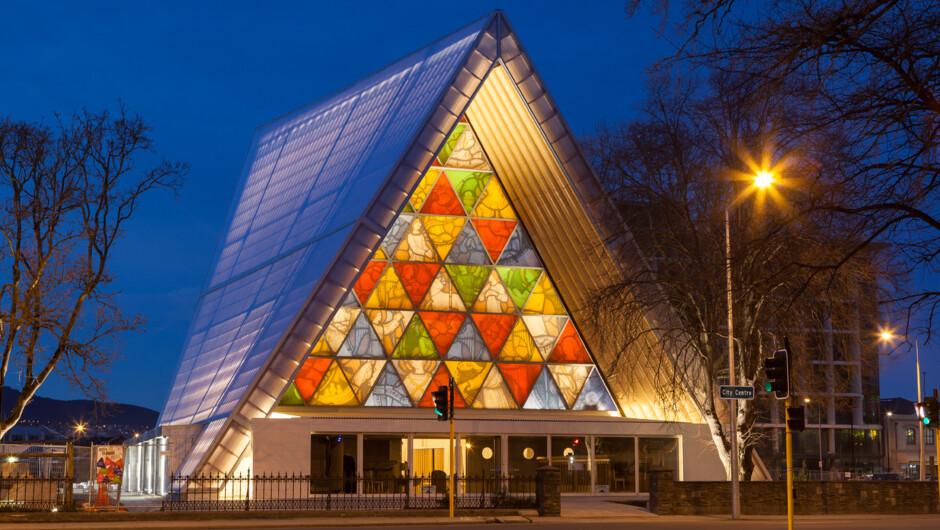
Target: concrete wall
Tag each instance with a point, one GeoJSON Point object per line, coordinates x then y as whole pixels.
{"type": "Point", "coordinates": [281, 446]}
{"type": "Point", "coordinates": [810, 498]}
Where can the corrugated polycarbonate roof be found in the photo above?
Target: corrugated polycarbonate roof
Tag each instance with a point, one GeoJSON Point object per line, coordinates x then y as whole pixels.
{"type": "Point", "coordinates": [308, 178]}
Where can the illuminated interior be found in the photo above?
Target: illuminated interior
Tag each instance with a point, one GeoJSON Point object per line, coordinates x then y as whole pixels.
{"type": "Point", "coordinates": [455, 289]}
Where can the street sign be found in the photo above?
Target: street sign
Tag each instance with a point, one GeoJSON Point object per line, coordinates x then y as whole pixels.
{"type": "Point", "coordinates": [736, 392]}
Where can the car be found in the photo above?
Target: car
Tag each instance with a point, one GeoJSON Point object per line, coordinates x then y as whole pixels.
{"type": "Point", "coordinates": [886, 476]}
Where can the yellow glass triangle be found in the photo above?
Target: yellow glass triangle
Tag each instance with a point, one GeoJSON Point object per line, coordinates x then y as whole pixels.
{"type": "Point", "coordinates": [389, 293]}
{"type": "Point", "coordinates": [544, 300]}
{"type": "Point", "coordinates": [494, 394]}
{"type": "Point", "coordinates": [380, 254]}
{"type": "Point", "coordinates": [570, 379]}
{"type": "Point", "coordinates": [519, 346]}
{"type": "Point", "coordinates": [468, 376]}
{"type": "Point", "coordinates": [389, 326]}
{"type": "Point", "coordinates": [334, 390]}
{"type": "Point", "coordinates": [443, 295]}
{"type": "Point", "coordinates": [467, 153]}
{"type": "Point", "coordinates": [362, 374]}
{"type": "Point", "coordinates": [321, 348]}
{"type": "Point", "coordinates": [493, 203]}
{"type": "Point", "coordinates": [493, 297]}
{"type": "Point", "coordinates": [424, 188]}
{"type": "Point", "coordinates": [416, 375]}
{"type": "Point", "coordinates": [340, 325]}
{"type": "Point", "coordinates": [416, 245]}
{"type": "Point", "coordinates": [443, 231]}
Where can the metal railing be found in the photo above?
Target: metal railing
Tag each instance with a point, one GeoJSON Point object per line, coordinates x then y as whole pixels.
{"type": "Point", "coordinates": [304, 492]}
{"type": "Point", "coordinates": [28, 492]}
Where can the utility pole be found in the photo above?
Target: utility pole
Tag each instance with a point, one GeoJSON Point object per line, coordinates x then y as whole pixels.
{"type": "Point", "coordinates": [452, 450]}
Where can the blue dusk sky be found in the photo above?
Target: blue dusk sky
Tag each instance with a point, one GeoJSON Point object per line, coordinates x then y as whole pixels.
{"type": "Point", "coordinates": [206, 74]}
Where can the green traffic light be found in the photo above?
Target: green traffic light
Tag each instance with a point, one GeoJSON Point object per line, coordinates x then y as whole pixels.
{"type": "Point", "coordinates": [926, 421]}
{"type": "Point", "coordinates": [768, 386]}
{"type": "Point", "coordinates": [439, 413]}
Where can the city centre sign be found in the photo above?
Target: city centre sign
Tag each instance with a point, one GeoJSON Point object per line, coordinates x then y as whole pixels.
{"type": "Point", "coordinates": [735, 392]}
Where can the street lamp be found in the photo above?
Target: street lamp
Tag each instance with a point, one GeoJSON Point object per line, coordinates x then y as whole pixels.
{"type": "Point", "coordinates": [887, 336]}
{"type": "Point", "coordinates": [886, 464]}
{"type": "Point", "coordinates": [819, 425]}
{"type": "Point", "coordinates": [762, 180]}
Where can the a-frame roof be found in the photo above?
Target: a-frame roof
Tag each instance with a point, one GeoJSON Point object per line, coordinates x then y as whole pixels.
{"type": "Point", "coordinates": [321, 187]}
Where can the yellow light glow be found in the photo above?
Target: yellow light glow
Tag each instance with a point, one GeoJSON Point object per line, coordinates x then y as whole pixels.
{"type": "Point", "coordinates": [886, 335]}
{"type": "Point", "coordinates": [80, 427]}
{"type": "Point", "coordinates": [805, 400]}
{"type": "Point", "coordinates": [468, 445]}
{"type": "Point", "coordinates": [763, 179]}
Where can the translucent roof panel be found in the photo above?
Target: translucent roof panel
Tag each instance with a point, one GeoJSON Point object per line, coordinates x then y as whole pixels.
{"type": "Point", "coordinates": [307, 179]}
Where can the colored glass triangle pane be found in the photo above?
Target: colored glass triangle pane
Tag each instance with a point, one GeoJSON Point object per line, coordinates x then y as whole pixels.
{"type": "Point", "coordinates": [416, 245]}
{"type": "Point", "coordinates": [292, 397]}
{"type": "Point", "coordinates": [379, 254]}
{"type": "Point", "coordinates": [395, 234]}
{"type": "Point", "coordinates": [437, 162]}
{"type": "Point", "coordinates": [569, 348]}
{"type": "Point", "coordinates": [442, 200]}
{"type": "Point", "coordinates": [468, 249]}
{"type": "Point", "coordinates": [408, 208]}
{"type": "Point", "coordinates": [467, 153]}
{"type": "Point", "coordinates": [388, 390]}
{"type": "Point", "coordinates": [545, 331]}
{"type": "Point", "coordinates": [570, 378]}
{"type": "Point", "coordinates": [519, 346]}
{"type": "Point", "coordinates": [545, 394]}
{"type": "Point", "coordinates": [367, 280]}
{"type": "Point", "coordinates": [350, 300]}
{"type": "Point", "coordinates": [494, 298]}
{"type": "Point", "coordinates": [442, 378]}
{"type": "Point", "coordinates": [544, 300]}
{"type": "Point", "coordinates": [468, 345]}
{"type": "Point", "coordinates": [519, 282]}
{"type": "Point", "coordinates": [519, 251]}
{"type": "Point", "coordinates": [493, 203]}
{"type": "Point", "coordinates": [451, 142]}
{"type": "Point", "coordinates": [494, 329]}
{"type": "Point", "coordinates": [443, 231]}
{"type": "Point", "coordinates": [321, 348]}
{"type": "Point", "coordinates": [389, 326]}
{"type": "Point", "coordinates": [361, 341]}
{"type": "Point", "coordinates": [416, 278]}
{"type": "Point", "coordinates": [494, 394]}
{"type": "Point", "coordinates": [415, 375]}
{"type": "Point", "coordinates": [494, 234]}
{"type": "Point", "coordinates": [424, 188]}
{"type": "Point", "coordinates": [342, 321]}
{"type": "Point", "coordinates": [389, 293]}
{"type": "Point", "coordinates": [443, 295]}
{"type": "Point", "coordinates": [468, 185]}
{"type": "Point", "coordinates": [468, 279]}
{"type": "Point", "coordinates": [361, 374]}
{"type": "Point", "coordinates": [416, 343]}
{"type": "Point", "coordinates": [334, 391]}
{"type": "Point", "coordinates": [468, 376]}
{"type": "Point", "coordinates": [594, 395]}
{"type": "Point", "coordinates": [442, 327]}
{"type": "Point", "coordinates": [520, 378]}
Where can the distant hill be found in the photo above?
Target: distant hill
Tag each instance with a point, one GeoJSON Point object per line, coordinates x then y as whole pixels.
{"type": "Point", "coordinates": [56, 411]}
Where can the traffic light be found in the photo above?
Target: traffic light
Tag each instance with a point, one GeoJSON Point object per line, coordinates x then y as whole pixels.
{"type": "Point", "coordinates": [441, 403]}
{"type": "Point", "coordinates": [920, 409]}
{"type": "Point", "coordinates": [777, 369]}
{"type": "Point", "coordinates": [932, 410]}
{"type": "Point", "coordinates": [796, 419]}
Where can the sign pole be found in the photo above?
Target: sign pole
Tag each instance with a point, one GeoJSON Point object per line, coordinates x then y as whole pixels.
{"type": "Point", "coordinates": [452, 452]}
{"type": "Point", "coordinates": [789, 470]}
{"type": "Point", "coordinates": [936, 432]}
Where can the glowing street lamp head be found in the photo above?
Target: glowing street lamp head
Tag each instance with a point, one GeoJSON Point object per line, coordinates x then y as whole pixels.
{"type": "Point", "coordinates": [763, 179]}
{"type": "Point", "coordinates": [886, 335]}
{"type": "Point", "coordinates": [805, 400]}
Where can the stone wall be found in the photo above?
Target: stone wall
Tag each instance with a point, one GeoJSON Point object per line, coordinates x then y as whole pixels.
{"type": "Point", "coordinates": [810, 498]}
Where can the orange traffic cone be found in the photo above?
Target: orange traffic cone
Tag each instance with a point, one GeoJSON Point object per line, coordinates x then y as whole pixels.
{"type": "Point", "coordinates": [102, 499]}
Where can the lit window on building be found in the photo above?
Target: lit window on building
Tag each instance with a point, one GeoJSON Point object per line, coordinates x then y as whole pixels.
{"type": "Point", "coordinates": [910, 437]}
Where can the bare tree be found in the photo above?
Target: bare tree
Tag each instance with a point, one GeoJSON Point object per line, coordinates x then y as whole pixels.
{"type": "Point", "coordinates": [675, 171]}
{"type": "Point", "coordinates": [67, 192]}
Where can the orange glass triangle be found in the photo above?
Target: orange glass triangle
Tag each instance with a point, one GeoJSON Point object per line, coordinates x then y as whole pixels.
{"type": "Point", "coordinates": [520, 378]}
{"type": "Point", "coordinates": [494, 233]}
{"type": "Point", "coordinates": [309, 376]}
{"type": "Point", "coordinates": [443, 327]}
{"type": "Point", "coordinates": [441, 378]}
{"type": "Point", "coordinates": [442, 200]}
{"type": "Point", "coordinates": [416, 278]}
{"type": "Point", "coordinates": [367, 280]}
{"type": "Point", "coordinates": [569, 348]}
{"type": "Point", "coordinates": [494, 329]}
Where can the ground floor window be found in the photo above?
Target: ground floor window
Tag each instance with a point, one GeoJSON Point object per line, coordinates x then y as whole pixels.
{"type": "Point", "coordinates": [657, 453]}
{"type": "Point", "coordinates": [616, 463]}
{"type": "Point", "coordinates": [570, 455]}
{"type": "Point", "coordinates": [333, 463]}
{"type": "Point", "coordinates": [527, 454]}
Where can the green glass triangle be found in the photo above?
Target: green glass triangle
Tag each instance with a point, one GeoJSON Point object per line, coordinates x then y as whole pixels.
{"type": "Point", "coordinates": [468, 279]}
{"type": "Point", "coordinates": [468, 185]}
{"type": "Point", "coordinates": [451, 142]}
{"type": "Point", "coordinates": [416, 342]}
{"type": "Point", "coordinates": [408, 208]}
{"type": "Point", "coordinates": [519, 282]}
{"type": "Point", "coordinates": [292, 397]}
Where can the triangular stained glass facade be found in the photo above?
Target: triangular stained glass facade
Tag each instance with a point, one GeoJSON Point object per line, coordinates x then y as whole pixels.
{"type": "Point", "coordinates": [455, 289]}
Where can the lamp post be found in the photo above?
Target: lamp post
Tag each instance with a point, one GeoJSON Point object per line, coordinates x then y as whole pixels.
{"type": "Point", "coordinates": [762, 179]}
{"type": "Point", "coordinates": [887, 336]}
{"type": "Point", "coordinates": [886, 461]}
{"type": "Point", "coordinates": [819, 425]}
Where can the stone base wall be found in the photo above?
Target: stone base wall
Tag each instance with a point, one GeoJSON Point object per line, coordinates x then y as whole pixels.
{"type": "Point", "coordinates": [810, 498]}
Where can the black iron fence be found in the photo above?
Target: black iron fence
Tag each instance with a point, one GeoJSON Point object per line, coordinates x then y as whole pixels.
{"type": "Point", "coordinates": [298, 492]}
